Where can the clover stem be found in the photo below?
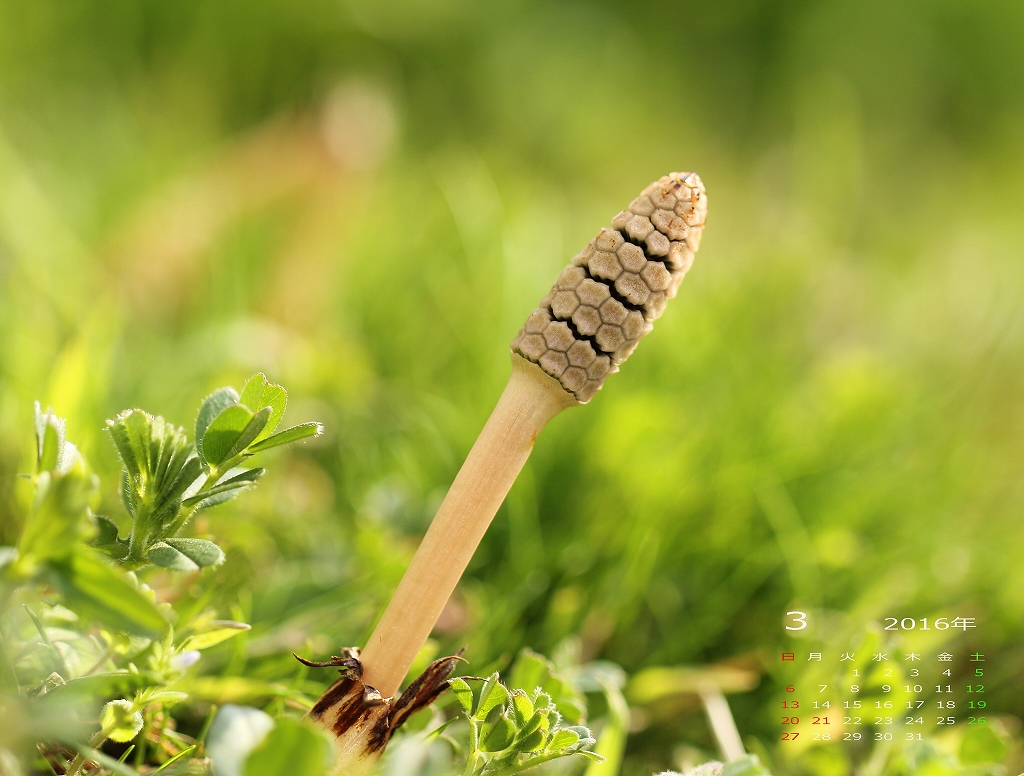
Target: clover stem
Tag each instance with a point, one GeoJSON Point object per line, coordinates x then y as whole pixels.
{"type": "Point", "coordinates": [211, 479]}
{"type": "Point", "coordinates": [141, 535]}
{"type": "Point", "coordinates": [215, 473]}
{"type": "Point", "coordinates": [474, 746]}
{"type": "Point", "coordinates": [94, 742]}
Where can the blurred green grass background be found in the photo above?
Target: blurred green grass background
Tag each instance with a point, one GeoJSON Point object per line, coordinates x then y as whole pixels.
{"type": "Point", "coordinates": [365, 200]}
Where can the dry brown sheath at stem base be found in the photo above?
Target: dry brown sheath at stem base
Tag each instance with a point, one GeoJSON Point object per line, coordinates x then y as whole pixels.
{"type": "Point", "coordinates": [600, 307]}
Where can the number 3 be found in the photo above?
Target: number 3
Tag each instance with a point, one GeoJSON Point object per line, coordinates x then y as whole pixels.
{"type": "Point", "coordinates": [799, 620]}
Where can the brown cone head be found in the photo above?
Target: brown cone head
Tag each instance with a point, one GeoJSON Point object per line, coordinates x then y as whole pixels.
{"type": "Point", "coordinates": [614, 289]}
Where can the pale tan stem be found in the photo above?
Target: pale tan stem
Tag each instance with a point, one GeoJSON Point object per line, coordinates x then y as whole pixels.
{"type": "Point", "coordinates": [722, 724]}
{"type": "Point", "coordinates": [530, 399]}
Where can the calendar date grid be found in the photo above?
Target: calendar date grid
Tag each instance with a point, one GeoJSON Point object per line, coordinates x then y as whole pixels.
{"type": "Point", "coordinates": [885, 695]}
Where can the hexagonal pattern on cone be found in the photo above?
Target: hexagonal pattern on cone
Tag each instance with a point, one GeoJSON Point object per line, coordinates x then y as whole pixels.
{"type": "Point", "coordinates": [614, 289]}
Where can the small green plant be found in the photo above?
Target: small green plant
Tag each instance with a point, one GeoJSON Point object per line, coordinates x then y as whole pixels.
{"type": "Point", "coordinates": [166, 480]}
{"type": "Point", "coordinates": [512, 730]}
{"type": "Point", "coordinates": [97, 649]}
